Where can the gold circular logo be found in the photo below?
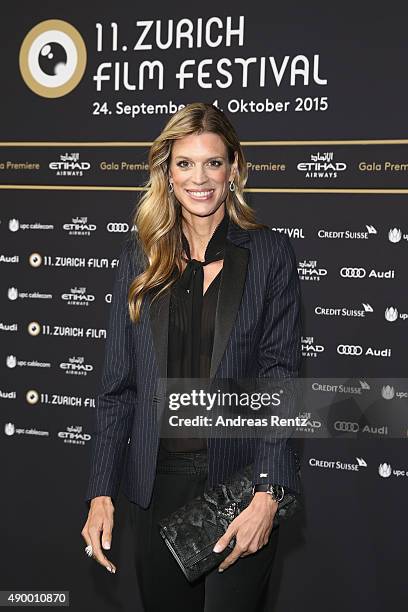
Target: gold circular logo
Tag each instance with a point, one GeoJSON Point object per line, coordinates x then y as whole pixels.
{"type": "Point", "coordinates": [32, 396]}
{"type": "Point", "coordinates": [52, 58]}
{"type": "Point", "coordinates": [34, 328]}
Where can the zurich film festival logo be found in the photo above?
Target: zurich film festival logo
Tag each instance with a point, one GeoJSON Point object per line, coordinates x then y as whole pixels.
{"type": "Point", "coordinates": [52, 58]}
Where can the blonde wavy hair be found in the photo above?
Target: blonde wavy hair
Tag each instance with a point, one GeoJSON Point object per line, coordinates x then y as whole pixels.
{"type": "Point", "coordinates": [158, 213]}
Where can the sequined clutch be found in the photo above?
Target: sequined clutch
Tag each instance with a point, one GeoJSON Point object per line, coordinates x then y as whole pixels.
{"type": "Point", "coordinates": [192, 530]}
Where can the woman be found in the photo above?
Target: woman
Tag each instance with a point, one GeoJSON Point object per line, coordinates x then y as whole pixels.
{"type": "Point", "coordinates": [201, 291]}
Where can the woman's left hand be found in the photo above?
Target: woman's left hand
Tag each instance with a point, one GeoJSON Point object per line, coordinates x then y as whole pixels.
{"type": "Point", "coordinates": [251, 528]}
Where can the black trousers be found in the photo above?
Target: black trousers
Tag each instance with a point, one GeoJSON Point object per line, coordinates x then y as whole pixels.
{"type": "Point", "coordinates": [163, 587]}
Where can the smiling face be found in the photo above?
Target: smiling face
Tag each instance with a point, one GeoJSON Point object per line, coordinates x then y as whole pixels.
{"type": "Point", "coordinates": [200, 171]}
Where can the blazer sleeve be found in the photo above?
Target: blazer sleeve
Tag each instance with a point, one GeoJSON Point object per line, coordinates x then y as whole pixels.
{"type": "Point", "coordinates": [279, 357]}
{"type": "Point", "coordinates": [117, 396]}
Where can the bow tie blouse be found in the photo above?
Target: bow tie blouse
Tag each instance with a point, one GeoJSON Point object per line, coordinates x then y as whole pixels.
{"type": "Point", "coordinates": [191, 324]}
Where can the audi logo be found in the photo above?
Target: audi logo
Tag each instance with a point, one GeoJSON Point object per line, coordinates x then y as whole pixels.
{"type": "Point", "coordinates": [117, 227]}
{"type": "Point", "coordinates": [352, 272]}
{"type": "Point", "coordinates": [346, 426]}
{"type": "Point", "coordinates": [349, 349]}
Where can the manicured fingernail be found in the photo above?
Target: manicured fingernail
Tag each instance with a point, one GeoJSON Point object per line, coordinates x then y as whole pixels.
{"type": "Point", "coordinates": [217, 548]}
{"type": "Point", "coordinates": [106, 545]}
{"type": "Point", "coordinates": [108, 568]}
{"type": "Point", "coordinates": [220, 570]}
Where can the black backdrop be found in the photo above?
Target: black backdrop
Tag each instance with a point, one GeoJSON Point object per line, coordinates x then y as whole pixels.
{"type": "Point", "coordinates": [335, 160]}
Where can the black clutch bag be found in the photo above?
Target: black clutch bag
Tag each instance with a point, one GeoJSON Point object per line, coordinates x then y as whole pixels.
{"type": "Point", "coordinates": [192, 531]}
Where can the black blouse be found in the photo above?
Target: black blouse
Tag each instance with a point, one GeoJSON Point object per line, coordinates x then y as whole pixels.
{"type": "Point", "coordinates": [188, 356]}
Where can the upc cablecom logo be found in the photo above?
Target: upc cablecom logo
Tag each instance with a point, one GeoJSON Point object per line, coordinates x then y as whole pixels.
{"type": "Point", "coordinates": [52, 58]}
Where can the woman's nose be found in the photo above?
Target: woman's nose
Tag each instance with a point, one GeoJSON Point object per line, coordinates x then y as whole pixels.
{"type": "Point", "coordinates": [199, 174]}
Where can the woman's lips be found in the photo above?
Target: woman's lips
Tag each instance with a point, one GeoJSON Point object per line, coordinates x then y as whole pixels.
{"type": "Point", "coordinates": [200, 194]}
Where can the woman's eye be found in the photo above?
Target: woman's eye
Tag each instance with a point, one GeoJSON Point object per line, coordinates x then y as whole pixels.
{"type": "Point", "coordinates": [215, 163]}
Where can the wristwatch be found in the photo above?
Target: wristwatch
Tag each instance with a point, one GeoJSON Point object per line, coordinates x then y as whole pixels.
{"type": "Point", "coordinates": [276, 491]}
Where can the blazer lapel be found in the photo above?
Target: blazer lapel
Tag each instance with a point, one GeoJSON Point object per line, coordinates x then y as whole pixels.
{"type": "Point", "coordinates": [159, 323]}
{"type": "Point", "coordinates": [232, 283]}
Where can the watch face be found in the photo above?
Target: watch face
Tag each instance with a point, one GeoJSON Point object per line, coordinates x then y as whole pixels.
{"type": "Point", "coordinates": [278, 492]}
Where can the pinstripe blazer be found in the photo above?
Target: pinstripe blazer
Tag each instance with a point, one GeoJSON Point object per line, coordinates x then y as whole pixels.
{"type": "Point", "coordinates": [257, 333]}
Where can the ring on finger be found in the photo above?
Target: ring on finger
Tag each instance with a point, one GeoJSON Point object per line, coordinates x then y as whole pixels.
{"type": "Point", "coordinates": [89, 550]}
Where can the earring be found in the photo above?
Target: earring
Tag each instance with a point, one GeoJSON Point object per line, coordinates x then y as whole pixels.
{"type": "Point", "coordinates": [231, 186]}
{"type": "Point", "coordinates": [171, 187]}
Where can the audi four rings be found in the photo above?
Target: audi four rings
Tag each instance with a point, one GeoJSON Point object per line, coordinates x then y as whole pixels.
{"type": "Point", "coordinates": [349, 349]}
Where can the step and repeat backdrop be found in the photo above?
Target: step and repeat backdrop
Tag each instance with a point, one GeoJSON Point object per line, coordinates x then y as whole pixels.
{"type": "Point", "coordinates": [318, 97]}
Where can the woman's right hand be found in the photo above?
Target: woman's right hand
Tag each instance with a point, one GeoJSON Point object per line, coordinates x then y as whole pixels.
{"type": "Point", "coordinates": [100, 521]}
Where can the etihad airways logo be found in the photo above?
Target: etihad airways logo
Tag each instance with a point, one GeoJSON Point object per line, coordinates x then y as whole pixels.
{"type": "Point", "coordinates": [76, 365]}
{"type": "Point", "coordinates": [309, 424]}
{"type": "Point", "coordinates": [321, 166]}
{"type": "Point", "coordinates": [309, 270]}
{"type": "Point", "coordinates": [77, 296]}
{"type": "Point", "coordinates": [79, 226]}
{"type": "Point", "coordinates": [69, 164]}
{"type": "Point", "coordinates": [73, 434]}
{"type": "Point", "coordinates": [311, 348]}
